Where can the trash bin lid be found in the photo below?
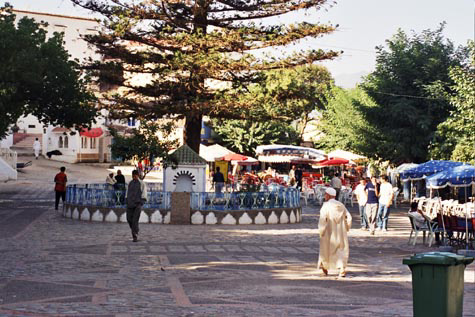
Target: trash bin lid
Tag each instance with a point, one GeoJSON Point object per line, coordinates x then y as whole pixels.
{"type": "Point", "coordinates": [438, 258]}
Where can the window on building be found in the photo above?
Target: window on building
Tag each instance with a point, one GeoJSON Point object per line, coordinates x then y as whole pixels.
{"type": "Point", "coordinates": [131, 122]}
{"type": "Point", "coordinates": [32, 126]}
{"type": "Point", "coordinates": [66, 142]}
{"type": "Point", "coordinates": [83, 143]}
{"type": "Point", "coordinates": [60, 142]}
{"type": "Point", "coordinates": [93, 143]}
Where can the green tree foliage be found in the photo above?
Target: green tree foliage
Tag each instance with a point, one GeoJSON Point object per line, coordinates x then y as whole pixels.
{"type": "Point", "coordinates": [343, 125]}
{"type": "Point", "coordinates": [455, 137]}
{"type": "Point", "coordinates": [243, 136]}
{"type": "Point", "coordinates": [293, 94]}
{"type": "Point", "coordinates": [37, 77]}
{"type": "Point", "coordinates": [185, 48]}
{"type": "Point", "coordinates": [410, 85]}
{"type": "Point", "coordinates": [152, 141]}
{"type": "Point", "coordinates": [288, 94]}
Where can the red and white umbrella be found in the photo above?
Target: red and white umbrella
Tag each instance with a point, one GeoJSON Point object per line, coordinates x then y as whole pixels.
{"type": "Point", "coordinates": [334, 162]}
{"type": "Point", "coordinates": [233, 157]}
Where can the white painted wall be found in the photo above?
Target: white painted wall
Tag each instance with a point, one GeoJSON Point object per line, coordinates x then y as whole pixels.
{"type": "Point", "coordinates": [30, 124]}
{"type": "Point", "coordinates": [198, 172]}
{"type": "Point", "coordinates": [6, 171]}
{"type": "Point", "coordinates": [7, 141]}
{"type": "Point", "coordinates": [72, 27]}
{"type": "Point", "coordinates": [69, 153]}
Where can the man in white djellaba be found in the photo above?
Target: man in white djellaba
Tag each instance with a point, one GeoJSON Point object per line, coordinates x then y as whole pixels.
{"type": "Point", "coordinates": [333, 225]}
{"type": "Point", "coordinates": [37, 148]}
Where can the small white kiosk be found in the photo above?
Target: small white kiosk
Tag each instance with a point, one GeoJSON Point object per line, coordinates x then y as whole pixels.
{"type": "Point", "coordinates": [188, 174]}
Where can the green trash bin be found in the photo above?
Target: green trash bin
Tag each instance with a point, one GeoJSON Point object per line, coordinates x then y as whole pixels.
{"type": "Point", "coordinates": [437, 283]}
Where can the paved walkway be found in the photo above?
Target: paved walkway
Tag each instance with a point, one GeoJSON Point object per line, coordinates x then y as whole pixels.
{"type": "Point", "coordinates": [52, 266]}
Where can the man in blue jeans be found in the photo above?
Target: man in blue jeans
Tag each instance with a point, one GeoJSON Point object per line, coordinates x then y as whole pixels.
{"type": "Point", "coordinates": [386, 195]}
{"type": "Point", "coordinates": [371, 190]}
{"type": "Point", "coordinates": [361, 197]}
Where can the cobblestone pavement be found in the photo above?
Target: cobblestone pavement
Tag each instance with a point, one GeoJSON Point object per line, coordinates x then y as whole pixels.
{"type": "Point", "coordinates": [52, 266]}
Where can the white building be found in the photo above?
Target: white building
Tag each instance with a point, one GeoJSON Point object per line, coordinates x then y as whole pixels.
{"type": "Point", "coordinates": [85, 146]}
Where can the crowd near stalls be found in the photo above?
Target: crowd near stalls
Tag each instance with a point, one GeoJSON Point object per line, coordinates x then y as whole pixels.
{"type": "Point", "coordinates": [282, 165]}
{"type": "Point", "coordinates": [442, 192]}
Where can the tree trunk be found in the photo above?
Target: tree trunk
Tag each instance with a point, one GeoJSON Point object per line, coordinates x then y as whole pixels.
{"type": "Point", "coordinates": [192, 133]}
{"type": "Point", "coordinates": [302, 129]}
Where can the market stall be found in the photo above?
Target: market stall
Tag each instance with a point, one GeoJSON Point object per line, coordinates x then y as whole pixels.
{"type": "Point", "coordinates": [281, 158]}
{"type": "Point", "coordinates": [459, 177]}
{"type": "Point", "coordinates": [421, 171]}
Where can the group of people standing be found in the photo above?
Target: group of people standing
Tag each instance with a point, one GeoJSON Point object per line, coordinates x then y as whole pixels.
{"type": "Point", "coordinates": [375, 198]}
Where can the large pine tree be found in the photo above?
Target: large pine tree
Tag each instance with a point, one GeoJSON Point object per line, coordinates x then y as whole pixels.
{"type": "Point", "coordinates": [186, 49]}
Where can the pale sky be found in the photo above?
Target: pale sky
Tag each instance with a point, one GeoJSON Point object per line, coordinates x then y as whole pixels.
{"type": "Point", "coordinates": [363, 24]}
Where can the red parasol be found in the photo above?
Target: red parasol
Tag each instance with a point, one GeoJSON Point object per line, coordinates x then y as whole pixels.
{"type": "Point", "coordinates": [92, 133]}
{"type": "Point", "coordinates": [233, 157]}
{"type": "Point", "coordinates": [333, 162]}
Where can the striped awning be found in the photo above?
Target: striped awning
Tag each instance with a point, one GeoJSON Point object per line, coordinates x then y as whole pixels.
{"type": "Point", "coordinates": [286, 159]}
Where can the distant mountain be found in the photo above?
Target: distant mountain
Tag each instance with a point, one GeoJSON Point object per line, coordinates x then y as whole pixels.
{"type": "Point", "coordinates": [349, 80]}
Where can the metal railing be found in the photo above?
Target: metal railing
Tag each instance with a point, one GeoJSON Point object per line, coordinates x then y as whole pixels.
{"type": "Point", "coordinates": [284, 198]}
{"type": "Point", "coordinates": [105, 195]}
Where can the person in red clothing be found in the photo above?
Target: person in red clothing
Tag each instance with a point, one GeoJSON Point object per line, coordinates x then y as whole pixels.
{"type": "Point", "coordinates": [60, 188]}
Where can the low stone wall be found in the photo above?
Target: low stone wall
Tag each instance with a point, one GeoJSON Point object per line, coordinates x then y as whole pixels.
{"type": "Point", "coordinates": [101, 214]}
{"type": "Point", "coordinates": [247, 217]}
{"type": "Point", "coordinates": [198, 217]}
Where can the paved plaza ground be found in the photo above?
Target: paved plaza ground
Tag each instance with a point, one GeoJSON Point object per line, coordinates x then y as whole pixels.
{"type": "Point", "coordinates": [52, 266]}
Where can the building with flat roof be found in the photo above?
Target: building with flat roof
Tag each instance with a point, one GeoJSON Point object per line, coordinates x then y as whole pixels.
{"type": "Point", "coordinates": [86, 146]}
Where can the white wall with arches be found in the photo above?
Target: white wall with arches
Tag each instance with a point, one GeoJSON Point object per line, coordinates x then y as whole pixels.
{"type": "Point", "coordinates": [185, 178]}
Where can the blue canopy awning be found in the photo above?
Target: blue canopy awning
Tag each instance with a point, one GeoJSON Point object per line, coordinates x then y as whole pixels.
{"type": "Point", "coordinates": [426, 169]}
{"type": "Point", "coordinates": [459, 176]}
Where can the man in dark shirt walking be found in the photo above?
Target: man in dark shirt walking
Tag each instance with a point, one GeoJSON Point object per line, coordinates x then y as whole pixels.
{"type": "Point", "coordinates": [218, 180]}
{"type": "Point", "coordinates": [60, 181]}
{"type": "Point", "coordinates": [299, 177]}
{"type": "Point", "coordinates": [136, 197]}
{"type": "Point", "coordinates": [371, 190]}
